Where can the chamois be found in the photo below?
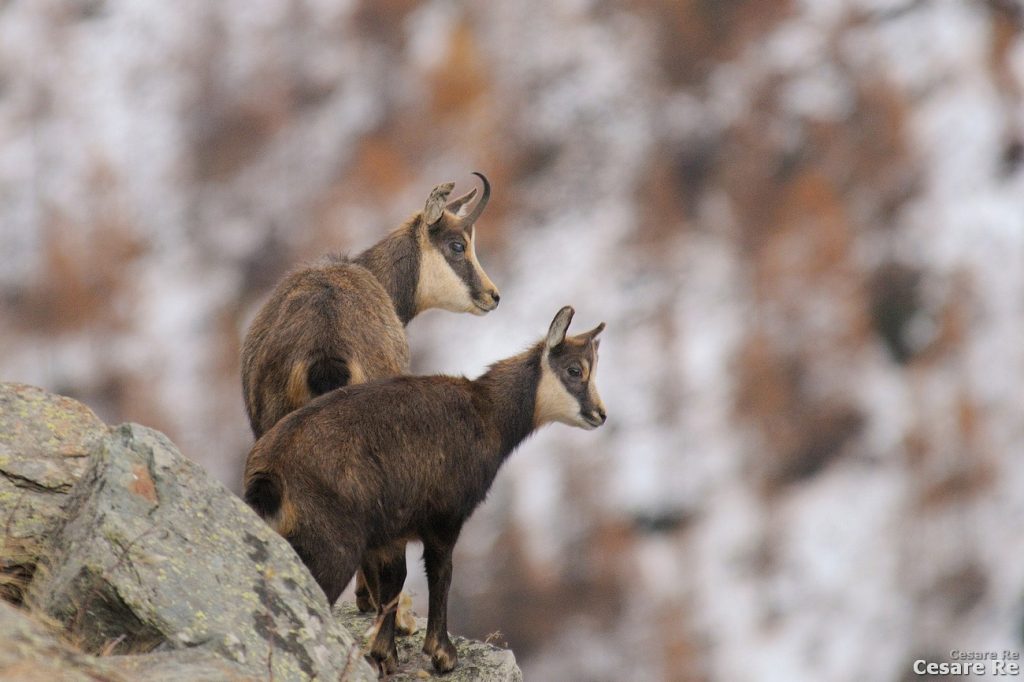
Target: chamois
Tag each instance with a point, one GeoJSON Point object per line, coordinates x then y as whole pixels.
{"type": "Point", "coordinates": [352, 476]}
{"type": "Point", "coordinates": [342, 320]}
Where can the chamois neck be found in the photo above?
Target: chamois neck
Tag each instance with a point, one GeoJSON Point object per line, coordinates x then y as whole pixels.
{"type": "Point", "coordinates": [510, 387]}
{"type": "Point", "coordinates": [395, 262]}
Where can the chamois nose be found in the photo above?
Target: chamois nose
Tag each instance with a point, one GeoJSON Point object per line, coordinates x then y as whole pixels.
{"type": "Point", "coordinates": [599, 415]}
{"type": "Point", "coordinates": [485, 301]}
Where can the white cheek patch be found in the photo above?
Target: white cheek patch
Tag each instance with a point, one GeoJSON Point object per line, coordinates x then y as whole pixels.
{"type": "Point", "coordinates": [439, 286]}
{"type": "Point", "coordinates": [592, 393]}
{"type": "Point", "coordinates": [485, 282]}
{"type": "Point", "coordinates": [554, 403]}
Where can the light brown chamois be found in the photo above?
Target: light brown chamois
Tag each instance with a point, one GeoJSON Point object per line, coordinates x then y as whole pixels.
{"type": "Point", "coordinates": [342, 321]}
{"type": "Point", "coordinates": [352, 476]}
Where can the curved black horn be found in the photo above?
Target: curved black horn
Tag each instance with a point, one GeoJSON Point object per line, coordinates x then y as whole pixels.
{"type": "Point", "coordinates": [480, 205]}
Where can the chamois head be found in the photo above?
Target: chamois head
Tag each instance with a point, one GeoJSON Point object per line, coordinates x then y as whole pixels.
{"type": "Point", "coordinates": [451, 277]}
{"type": "Point", "coordinates": [567, 391]}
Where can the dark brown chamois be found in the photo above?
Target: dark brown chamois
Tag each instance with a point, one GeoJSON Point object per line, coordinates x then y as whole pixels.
{"type": "Point", "coordinates": [342, 321]}
{"type": "Point", "coordinates": [352, 476]}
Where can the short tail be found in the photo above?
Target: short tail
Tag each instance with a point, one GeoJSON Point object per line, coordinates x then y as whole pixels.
{"type": "Point", "coordinates": [309, 379]}
{"type": "Point", "coordinates": [263, 494]}
{"type": "Point", "coordinates": [327, 374]}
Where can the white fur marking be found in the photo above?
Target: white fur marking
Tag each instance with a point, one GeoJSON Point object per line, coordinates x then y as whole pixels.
{"type": "Point", "coordinates": [439, 286]}
{"type": "Point", "coordinates": [592, 393]}
{"type": "Point", "coordinates": [555, 403]}
{"type": "Point", "coordinates": [485, 282]}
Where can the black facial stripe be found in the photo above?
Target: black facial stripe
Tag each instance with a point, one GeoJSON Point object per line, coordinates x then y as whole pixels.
{"type": "Point", "coordinates": [459, 263]}
{"type": "Point", "coordinates": [465, 270]}
{"type": "Point", "coordinates": [580, 391]}
{"type": "Point", "coordinates": [574, 353]}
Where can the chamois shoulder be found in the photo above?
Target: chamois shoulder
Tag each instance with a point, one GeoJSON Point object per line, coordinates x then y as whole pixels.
{"type": "Point", "coordinates": [339, 269]}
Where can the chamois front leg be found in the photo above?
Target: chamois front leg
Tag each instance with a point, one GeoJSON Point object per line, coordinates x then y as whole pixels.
{"type": "Point", "coordinates": [437, 557]}
{"type": "Point", "coordinates": [391, 576]}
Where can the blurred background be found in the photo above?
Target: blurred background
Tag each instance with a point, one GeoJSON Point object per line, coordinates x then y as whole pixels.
{"type": "Point", "coordinates": [802, 220]}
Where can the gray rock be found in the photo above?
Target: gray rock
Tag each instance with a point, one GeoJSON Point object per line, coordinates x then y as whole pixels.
{"type": "Point", "coordinates": [156, 556]}
{"type": "Point", "coordinates": [183, 665]}
{"type": "Point", "coordinates": [133, 554]}
{"type": "Point", "coordinates": [31, 650]}
{"type": "Point", "coordinates": [45, 442]}
{"type": "Point", "coordinates": [478, 662]}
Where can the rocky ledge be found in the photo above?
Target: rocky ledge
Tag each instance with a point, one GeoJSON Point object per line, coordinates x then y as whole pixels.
{"type": "Point", "coordinates": [122, 559]}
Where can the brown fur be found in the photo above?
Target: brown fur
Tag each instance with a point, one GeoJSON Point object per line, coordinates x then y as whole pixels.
{"type": "Point", "coordinates": [297, 390]}
{"type": "Point", "coordinates": [335, 311]}
{"type": "Point", "coordinates": [369, 467]}
{"type": "Point", "coordinates": [286, 521]}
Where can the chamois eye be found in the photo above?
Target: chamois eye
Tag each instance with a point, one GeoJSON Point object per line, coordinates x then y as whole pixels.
{"type": "Point", "coordinates": [458, 247]}
{"type": "Point", "coordinates": [575, 372]}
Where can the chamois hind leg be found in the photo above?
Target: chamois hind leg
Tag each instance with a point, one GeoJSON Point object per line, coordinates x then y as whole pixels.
{"type": "Point", "coordinates": [391, 573]}
{"type": "Point", "coordinates": [366, 596]}
{"type": "Point", "coordinates": [437, 558]}
{"type": "Point", "coordinates": [331, 563]}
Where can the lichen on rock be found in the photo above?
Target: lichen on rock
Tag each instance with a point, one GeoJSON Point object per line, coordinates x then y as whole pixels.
{"type": "Point", "coordinates": [45, 441]}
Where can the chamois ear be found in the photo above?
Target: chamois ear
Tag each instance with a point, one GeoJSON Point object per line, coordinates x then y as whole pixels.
{"type": "Point", "coordinates": [434, 208]}
{"type": "Point", "coordinates": [592, 334]}
{"type": "Point", "coordinates": [556, 333]}
{"type": "Point", "coordinates": [460, 207]}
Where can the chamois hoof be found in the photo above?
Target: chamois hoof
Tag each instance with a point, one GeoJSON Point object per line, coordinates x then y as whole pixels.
{"type": "Point", "coordinates": [364, 603]}
{"type": "Point", "coordinates": [443, 657]}
{"type": "Point", "coordinates": [385, 664]}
